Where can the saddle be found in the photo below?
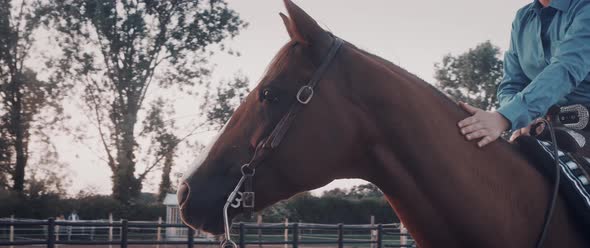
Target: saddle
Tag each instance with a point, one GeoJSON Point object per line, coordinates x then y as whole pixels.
{"type": "Point", "coordinates": [573, 140]}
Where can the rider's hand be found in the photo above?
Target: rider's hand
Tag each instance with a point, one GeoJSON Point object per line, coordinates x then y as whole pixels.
{"type": "Point", "coordinates": [527, 130]}
{"type": "Point", "coordinates": [484, 125]}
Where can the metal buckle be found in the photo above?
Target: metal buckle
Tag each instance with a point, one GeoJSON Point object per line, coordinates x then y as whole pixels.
{"type": "Point", "coordinates": [309, 96]}
{"type": "Point", "coordinates": [581, 113]}
{"type": "Point", "coordinates": [248, 194]}
{"type": "Point", "coordinates": [228, 243]}
{"type": "Point", "coordinates": [247, 171]}
{"type": "Point", "coordinates": [248, 199]}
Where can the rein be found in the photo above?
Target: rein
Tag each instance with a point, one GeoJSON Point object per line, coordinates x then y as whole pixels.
{"type": "Point", "coordinates": [304, 96]}
{"type": "Point", "coordinates": [551, 205]}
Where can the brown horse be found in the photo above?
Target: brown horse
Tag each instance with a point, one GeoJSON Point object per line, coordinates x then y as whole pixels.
{"type": "Point", "coordinates": [370, 119]}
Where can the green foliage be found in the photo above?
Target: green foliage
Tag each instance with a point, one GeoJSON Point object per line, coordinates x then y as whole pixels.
{"type": "Point", "coordinates": [365, 191]}
{"type": "Point", "coordinates": [307, 208]}
{"type": "Point", "coordinates": [354, 206]}
{"type": "Point", "coordinates": [87, 206]}
{"type": "Point", "coordinates": [116, 49]}
{"type": "Point", "coordinates": [473, 76]}
{"type": "Point", "coordinates": [11, 202]}
{"type": "Point", "coordinates": [99, 207]}
{"type": "Point", "coordinates": [220, 106]}
{"type": "Point", "coordinates": [42, 205]}
{"type": "Point", "coordinates": [164, 141]}
{"type": "Point", "coordinates": [43, 192]}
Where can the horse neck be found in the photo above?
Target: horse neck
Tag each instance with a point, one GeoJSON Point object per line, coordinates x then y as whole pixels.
{"type": "Point", "coordinates": [448, 192]}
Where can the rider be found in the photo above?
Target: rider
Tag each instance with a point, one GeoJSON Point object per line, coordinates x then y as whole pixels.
{"type": "Point", "coordinates": [548, 63]}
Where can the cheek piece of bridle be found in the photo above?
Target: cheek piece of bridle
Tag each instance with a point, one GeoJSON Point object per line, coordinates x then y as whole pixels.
{"type": "Point", "coordinates": [304, 96]}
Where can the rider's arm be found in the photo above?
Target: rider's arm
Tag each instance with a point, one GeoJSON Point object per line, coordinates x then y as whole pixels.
{"type": "Point", "coordinates": [568, 67]}
{"type": "Point", "coordinates": [514, 79]}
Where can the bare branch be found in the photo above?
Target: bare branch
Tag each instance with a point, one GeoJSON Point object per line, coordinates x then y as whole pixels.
{"type": "Point", "coordinates": [171, 149]}
{"type": "Point", "coordinates": [111, 160]}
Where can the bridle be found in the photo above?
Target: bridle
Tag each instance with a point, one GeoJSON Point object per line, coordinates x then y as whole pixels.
{"type": "Point", "coordinates": [304, 96]}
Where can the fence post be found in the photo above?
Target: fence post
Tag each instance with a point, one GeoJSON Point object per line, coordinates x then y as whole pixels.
{"type": "Point", "coordinates": [295, 235]}
{"type": "Point", "coordinates": [124, 231]}
{"type": "Point", "coordinates": [12, 230]}
{"type": "Point", "coordinates": [373, 232]}
{"type": "Point", "coordinates": [158, 230]}
{"type": "Point", "coordinates": [340, 235]}
{"type": "Point", "coordinates": [69, 231]}
{"type": "Point", "coordinates": [191, 238]}
{"type": "Point", "coordinates": [110, 229]}
{"type": "Point", "coordinates": [242, 239]}
{"type": "Point", "coordinates": [286, 232]}
{"type": "Point", "coordinates": [57, 231]}
{"type": "Point", "coordinates": [50, 233]}
{"type": "Point", "coordinates": [403, 239]}
{"type": "Point", "coordinates": [259, 222]}
{"type": "Point", "coordinates": [379, 236]}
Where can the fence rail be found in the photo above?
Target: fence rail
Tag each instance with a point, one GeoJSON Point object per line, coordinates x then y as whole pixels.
{"type": "Point", "coordinates": [294, 234]}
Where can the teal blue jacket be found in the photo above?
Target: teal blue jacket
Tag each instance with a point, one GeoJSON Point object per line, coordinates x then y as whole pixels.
{"type": "Point", "coordinates": [548, 61]}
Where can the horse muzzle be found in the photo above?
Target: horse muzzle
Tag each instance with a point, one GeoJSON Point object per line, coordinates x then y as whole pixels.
{"type": "Point", "coordinates": [200, 215]}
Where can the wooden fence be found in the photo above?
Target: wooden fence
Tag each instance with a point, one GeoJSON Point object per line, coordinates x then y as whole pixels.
{"type": "Point", "coordinates": [287, 234]}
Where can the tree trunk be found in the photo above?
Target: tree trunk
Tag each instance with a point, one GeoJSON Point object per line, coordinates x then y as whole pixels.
{"type": "Point", "coordinates": [166, 184]}
{"type": "Point", "coordinates": [125, 185]}
{"type": "Point", "coordinates": [20, 163]}
{"type": "Point", "coordinates": [19, 131]}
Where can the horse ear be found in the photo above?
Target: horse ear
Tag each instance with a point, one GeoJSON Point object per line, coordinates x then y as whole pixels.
{"type": "Point", "coordinates": [303, 25]}
{"type": "Point", "coordinates": [293, 33]}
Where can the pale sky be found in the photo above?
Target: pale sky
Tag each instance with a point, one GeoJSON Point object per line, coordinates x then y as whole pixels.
{"type": "Point", "coordinates": [412, 34]}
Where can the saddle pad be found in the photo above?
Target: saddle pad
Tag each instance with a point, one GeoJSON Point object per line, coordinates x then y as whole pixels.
{"type": "Point", "coordinates": [574, 185]}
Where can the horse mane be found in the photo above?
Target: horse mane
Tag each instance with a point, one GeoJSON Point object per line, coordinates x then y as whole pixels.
{"type": "Point", "coordinates": [402, 71]}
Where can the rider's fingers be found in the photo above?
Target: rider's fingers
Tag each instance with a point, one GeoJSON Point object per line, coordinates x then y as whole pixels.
{"type": "Point", "coordinates": [468, 121]}
{"type": "Point", "coordinates": [477, 134]}
{"type": "Point", "coordinates": [472, 128]}
{"type": "Point", "coordinates": [486, 140]}
{"type": "Point", "coordinates": [469, 108]}
{"type": "Point", "coordinates": [515, 135]}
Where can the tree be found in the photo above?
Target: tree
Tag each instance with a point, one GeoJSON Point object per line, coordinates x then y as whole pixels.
{"type": "Point", "coordinates": [473, 76]}
{"type": "Point", "coordinates": [164, 142]}
{"type": "Point", "coordinates": [336, 192]}
{"type": "Point", "coordinates": [22, 95]}
{"type": "Point", "coordinates": [228, 95]}
{"type": "Point", "coordinates": [165, 182]}
{"type": "Point", "coordinates": [118, 49]}
{"type": "Point", "coordinates": [363, 191]}
{"type": "Point", "coordinates": [47, 175]}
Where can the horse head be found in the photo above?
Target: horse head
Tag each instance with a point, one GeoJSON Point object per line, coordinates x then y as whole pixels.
{"type": "Point", "coordinates": [321, 144]}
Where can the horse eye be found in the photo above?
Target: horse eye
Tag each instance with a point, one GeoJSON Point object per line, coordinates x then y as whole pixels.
{"type": "Point", "coordinates": [269, 95]}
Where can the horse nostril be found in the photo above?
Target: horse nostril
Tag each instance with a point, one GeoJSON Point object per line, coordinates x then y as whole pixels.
{"type": "Point", "coordinates": [183, 193]}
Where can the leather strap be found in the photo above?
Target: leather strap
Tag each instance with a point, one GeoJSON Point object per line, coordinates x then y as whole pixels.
{"type": "Point", "coordinates": [280, 130]}
{"type": "Point", "coordinates": [278, 133]}
{"type": "Point", "coordinates": [304, 96]}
